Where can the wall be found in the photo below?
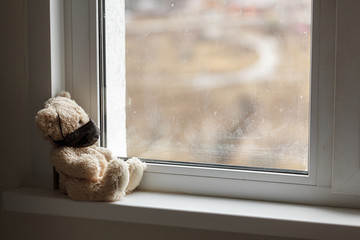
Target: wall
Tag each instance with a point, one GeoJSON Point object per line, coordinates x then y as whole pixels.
{"type": "Point", "coordinates": [13, 59]}
{"type": "Point", "coordinates": [42, 227]}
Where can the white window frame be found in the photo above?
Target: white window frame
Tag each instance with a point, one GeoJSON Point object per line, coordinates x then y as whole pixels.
{"type": "Point", "coordinates": [336, 169]}
{"type": "Point", "coordinates": [81, 51]}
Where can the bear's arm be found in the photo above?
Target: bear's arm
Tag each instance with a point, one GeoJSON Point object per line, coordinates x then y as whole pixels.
{"type": "Point", "coordinates": [79, 163]}
{"type": "Point", "coordinates": [106, 152]}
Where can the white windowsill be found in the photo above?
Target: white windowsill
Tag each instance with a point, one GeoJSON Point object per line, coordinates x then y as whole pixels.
{"type": "Point", "coordinates": [210, 213]}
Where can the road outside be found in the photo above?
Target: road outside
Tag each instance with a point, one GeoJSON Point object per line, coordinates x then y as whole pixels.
{"type": "Point", "coordinates": [223, 82]}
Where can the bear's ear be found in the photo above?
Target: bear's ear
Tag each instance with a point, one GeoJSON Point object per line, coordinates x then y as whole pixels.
{"type": "Point", "coordinates": [46, 120]}
{"type": "Point", "coordinates": [65, 94]}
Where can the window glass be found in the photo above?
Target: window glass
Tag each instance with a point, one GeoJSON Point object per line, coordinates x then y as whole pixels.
{"type": "Point", "coordinates": [219, 81]}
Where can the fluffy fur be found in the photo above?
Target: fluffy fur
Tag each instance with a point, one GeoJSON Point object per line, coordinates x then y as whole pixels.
{"type": "Point", "coordinates": [87, 173]}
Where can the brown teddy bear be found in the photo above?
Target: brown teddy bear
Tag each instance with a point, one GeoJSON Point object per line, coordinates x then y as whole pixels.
{"type": "Point", "coordinates": [86, 171]}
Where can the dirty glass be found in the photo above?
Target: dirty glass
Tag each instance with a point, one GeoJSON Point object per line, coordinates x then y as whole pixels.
{"type": "Point", "coordinates": [219, 81]}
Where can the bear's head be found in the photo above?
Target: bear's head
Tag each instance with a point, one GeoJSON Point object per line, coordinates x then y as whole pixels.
{"type": "Point", "coordinates": [65, 123]}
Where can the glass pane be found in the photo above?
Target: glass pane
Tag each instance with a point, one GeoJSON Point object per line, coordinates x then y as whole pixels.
{"type": "Point", "coordinates": [219, 81]}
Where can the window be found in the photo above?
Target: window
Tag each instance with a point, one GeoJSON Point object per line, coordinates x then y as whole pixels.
{"type": "Point", "coordinates": [155, 120]}
{"type": "Point", "coordinates": [316, 184]}
{"type": "Point", "coordinates": [219, 82]}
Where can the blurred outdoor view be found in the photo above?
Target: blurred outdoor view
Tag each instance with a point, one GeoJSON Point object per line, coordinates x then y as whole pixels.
{"type": "Point", "coordinates": [219, 81]}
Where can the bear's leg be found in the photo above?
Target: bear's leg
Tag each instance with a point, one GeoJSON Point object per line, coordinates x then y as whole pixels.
{"type": "Point", "coordinates": [111, 187]}
{"type": "Point", "coordinates": [136, 170]}
{"type": "Point", "coordinates": [115, 180]}
{"type": "Point", "coordinates": [81, 189]}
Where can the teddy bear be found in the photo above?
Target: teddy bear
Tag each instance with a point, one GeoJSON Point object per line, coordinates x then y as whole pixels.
{"type": "Point", "coordinates": [86, 171]}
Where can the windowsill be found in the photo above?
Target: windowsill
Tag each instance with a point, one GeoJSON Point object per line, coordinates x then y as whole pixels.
{"type": "Point", "coordinates": [210, 213]}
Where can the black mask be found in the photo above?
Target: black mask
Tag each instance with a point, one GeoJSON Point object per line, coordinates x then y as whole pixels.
{"type": "Point", "coordinates": [84, 136]}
